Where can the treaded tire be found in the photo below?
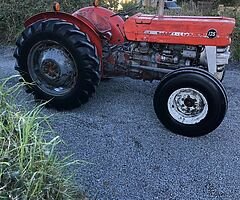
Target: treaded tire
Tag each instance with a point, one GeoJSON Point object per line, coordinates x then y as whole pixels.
{"type": "Point", "coordinates": [77, 46]}
{"type": "Point", "coordinates": [169, 110]}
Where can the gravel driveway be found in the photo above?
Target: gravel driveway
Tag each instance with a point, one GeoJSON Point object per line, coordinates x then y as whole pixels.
{"type": "Point", "coordinates": [134, 157]}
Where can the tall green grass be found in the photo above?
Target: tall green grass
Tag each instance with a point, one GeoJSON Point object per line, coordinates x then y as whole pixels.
{"type": "Point", "coordinates": [29, 167]}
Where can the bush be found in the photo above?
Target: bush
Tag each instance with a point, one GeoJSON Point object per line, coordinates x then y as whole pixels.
{"type": "Point", "coordinates": [29, 169]}
{"type": "Point", "coordinates": [236, 44]}
{"type": "Point", "coordinates": [13, 13]}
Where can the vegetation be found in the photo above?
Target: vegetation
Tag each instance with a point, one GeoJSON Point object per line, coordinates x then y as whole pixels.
{"type": "Point", "coordinates": [14, 12]}
{"type": "Point", "coordinates": [29, 169]}
{"type": "Point", "coordinates": [112, 4]}
{"type": "Point", "coordinates": [236, 41]}
{"type": "Point", "coordinates": [225, 2]}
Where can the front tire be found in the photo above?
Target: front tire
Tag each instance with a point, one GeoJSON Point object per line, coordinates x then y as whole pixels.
{"type": "Point", "coordinates": [60, 61]}
{"type": "Point", "coordinates": [190, 102]}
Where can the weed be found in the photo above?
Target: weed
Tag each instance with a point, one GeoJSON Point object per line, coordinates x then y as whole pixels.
{"type": "Point", "coordinates": [29, 168]}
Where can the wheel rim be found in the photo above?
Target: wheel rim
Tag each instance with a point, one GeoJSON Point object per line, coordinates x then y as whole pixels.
{"type": "Point", "coordinates": [52, 68]}
{"type": "Point", "coordinates": [187, 106]}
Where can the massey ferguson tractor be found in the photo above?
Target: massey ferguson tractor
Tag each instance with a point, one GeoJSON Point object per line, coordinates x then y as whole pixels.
{"type": "Point", "coordinates": [64, 57]}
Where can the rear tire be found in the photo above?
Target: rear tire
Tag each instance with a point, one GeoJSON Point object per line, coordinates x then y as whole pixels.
{"type": "Point", "coordinates": [190, 102]}
{"type": "Point", "coordinates": [60, 61]}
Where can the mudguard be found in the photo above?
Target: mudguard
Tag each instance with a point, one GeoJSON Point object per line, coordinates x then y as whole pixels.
{"type": "Point", "coordinates": [104, 20]}
{"type": "Point", "coordinates": [81, 22]}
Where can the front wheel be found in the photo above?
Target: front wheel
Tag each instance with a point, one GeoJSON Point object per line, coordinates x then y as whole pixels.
{"type": "Point", "coordinates": [190, 102]}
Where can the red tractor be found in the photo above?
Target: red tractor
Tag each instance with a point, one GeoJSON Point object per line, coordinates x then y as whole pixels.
{"type": "Point", "coordinates": [65, 56]}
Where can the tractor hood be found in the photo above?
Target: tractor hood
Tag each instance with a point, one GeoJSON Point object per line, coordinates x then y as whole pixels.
{"type": "Point", "coordinates": [189, 30]}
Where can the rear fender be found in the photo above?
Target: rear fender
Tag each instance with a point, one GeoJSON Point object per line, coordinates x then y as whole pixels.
{"type": "Point", "coordinates": [83, 24]}
{"type": "Point", "coordinates": [104, 20]}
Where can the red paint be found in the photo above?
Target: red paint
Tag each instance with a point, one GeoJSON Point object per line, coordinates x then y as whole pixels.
{"type": "Point", "coordinates": [190, 30]}
{"type": "Point", "coordinates": [101, 19]}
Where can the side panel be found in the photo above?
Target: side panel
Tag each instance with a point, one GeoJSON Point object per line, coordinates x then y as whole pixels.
{"type": "Point", "coordinates": [84, 25]}
{"type": "Point", "coordinates": [209, 31]}
{"type": "Point", "coordinates": [104, 20]}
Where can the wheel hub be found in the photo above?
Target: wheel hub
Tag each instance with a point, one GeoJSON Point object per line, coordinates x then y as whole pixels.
{"type": "Point", "coordinates": [189, 102]}
{"type": "Point", "coordinates": [187, 105]}
{"type": "Point", "coordinates": [52, 67]}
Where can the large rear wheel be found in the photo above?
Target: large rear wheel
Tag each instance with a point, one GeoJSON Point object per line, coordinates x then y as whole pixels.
{"type": "Point", "coordinates": [60, 62]}
{"type": "Point", "coordinates": [190, 102]}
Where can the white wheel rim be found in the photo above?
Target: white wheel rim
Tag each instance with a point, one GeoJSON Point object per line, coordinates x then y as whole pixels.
{"type": "Point", "coordinates": [187, 106]}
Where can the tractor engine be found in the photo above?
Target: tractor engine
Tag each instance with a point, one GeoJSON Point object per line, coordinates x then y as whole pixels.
{"type": "Point", "coordinates": [143, 59]}
{"type": "Point", "coordinates": [158, 55]}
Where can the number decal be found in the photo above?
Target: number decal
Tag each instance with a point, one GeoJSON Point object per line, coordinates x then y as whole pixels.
{"type": "Point", "coordinates": [212, 33]}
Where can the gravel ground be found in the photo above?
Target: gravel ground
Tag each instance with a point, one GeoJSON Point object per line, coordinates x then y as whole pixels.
{"type": "Point", "coordinates": [132, 156]}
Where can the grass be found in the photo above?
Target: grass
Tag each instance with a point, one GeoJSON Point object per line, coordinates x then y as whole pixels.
{"type": "Point", "coordinates": [29, 167]}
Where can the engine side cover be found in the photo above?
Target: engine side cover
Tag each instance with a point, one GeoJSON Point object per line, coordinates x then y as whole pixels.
{"type": "Point", "coordinates": [189, 30]}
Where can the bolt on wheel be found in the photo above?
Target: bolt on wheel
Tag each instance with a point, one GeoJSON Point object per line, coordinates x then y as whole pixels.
{"type": "Point", "coordinates": [190, 102]}
{"type": "Point", "coordinates": [60, 61]}
{"type": "Point", "coordinates": [187, 105]}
